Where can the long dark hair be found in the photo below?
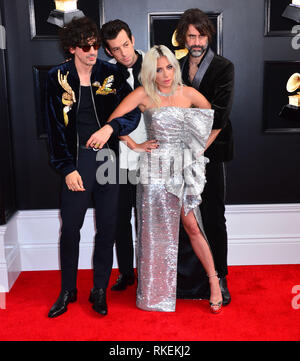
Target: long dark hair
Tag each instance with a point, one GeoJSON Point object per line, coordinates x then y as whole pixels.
{"type": "Point", "coordinates": [199, 20]}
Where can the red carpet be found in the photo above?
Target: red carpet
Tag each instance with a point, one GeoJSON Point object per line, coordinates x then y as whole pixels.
{"type": "Point", "coordinates": [261, 309]}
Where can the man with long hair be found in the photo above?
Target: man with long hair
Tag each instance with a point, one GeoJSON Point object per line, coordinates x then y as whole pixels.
{"type": "Point", "coordinates": [213, 76]}
{"type": "Point", "coordinates": [81, 95]}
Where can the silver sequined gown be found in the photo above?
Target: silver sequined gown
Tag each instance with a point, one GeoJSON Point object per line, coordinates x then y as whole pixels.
{"type": "Point", "coordinates": [171, 177]}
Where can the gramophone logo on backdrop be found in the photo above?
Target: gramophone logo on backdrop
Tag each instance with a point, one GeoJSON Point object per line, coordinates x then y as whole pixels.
{"type": "Point", "coordinates": [64, 12]}
{"type": "Point", "coordinates": [291, 111]}
{"type": "Point", "coordinates": [293, 85]}
{"type": "Point", "coordinates": [292, 12]}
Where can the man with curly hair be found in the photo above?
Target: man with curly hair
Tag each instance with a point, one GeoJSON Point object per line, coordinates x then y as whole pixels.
{"type": "Point", "coordinates": [81, 95]}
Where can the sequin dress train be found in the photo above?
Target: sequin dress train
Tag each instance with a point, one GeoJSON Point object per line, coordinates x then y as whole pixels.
{"type": "Point", "coordinates": [171, 177]}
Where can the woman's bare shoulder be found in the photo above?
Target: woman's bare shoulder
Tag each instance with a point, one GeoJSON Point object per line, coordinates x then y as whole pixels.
{"type": "Point", "coordinates": [140, 91]}
{"type": "Point", "coordinates": [197, 99]}
{"type": "Point", "coordinates": [189, 90]}
{"type": "Point", "coordinates": [143, 98]}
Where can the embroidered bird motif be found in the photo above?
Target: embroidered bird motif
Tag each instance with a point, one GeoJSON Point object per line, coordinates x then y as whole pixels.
{"type": "Point", "coordinates": [105, 88]}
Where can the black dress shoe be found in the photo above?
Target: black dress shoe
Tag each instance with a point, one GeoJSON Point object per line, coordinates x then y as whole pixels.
{"type": "Point", "coordinates": [98, 299]}
{"type": "Point", "coordinates": [225, 291]}
{"type": "Point", "coordinates": [122, 282]}
{"type": "Point", "coordinates": [60, 306]}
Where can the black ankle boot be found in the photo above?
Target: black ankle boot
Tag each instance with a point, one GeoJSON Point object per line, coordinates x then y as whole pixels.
{"type": "Point", "coordinates": [60, 306]}
{"type": "Point", "coordinates": [225, 291]}
{"type": "Point", "coordinates": [98, 299]}
{"type": "Point", "coordinates": [122, 282]}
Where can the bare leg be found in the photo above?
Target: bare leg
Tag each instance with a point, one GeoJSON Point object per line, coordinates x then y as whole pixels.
{"type": "Point", "coordinates": [203, 252]}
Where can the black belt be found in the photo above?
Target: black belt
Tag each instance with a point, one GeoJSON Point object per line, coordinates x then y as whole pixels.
{"type": "Point", "coordinates": [88, 148]}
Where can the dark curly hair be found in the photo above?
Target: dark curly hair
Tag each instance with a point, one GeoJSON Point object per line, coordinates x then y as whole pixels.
{"type": "Point", "coordinates": [200, 21]}
{"type": "Point", "coordinates": [111, 29]}
{"type": "Point", "coordinates": [78, 32]}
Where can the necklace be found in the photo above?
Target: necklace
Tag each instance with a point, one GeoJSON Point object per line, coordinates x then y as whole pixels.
{"type": "Point", "coordinates": [165, 94]}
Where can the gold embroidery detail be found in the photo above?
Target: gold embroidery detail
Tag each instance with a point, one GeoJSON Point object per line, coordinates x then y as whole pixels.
{"type": "Point", "coordinates": [68, 97]}
{"type": "Point", "coordinates": [105, 88]}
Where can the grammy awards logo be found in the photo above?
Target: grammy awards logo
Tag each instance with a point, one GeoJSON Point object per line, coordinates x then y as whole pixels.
{"type": "Point", "coordinates": [291, 110]}
{"type": "Point", "coordinates": [293, 85]}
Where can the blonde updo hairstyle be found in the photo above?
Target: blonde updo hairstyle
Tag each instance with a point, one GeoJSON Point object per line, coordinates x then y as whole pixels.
{"type": "Point", "coordinates": [149, 71]}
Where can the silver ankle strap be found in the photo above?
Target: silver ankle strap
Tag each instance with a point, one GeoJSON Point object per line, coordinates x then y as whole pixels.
{"type": "Point", "coordinates": [214, 275]}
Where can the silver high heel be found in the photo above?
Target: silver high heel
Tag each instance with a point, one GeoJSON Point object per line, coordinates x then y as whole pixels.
{"type": "Point", "coordinates": [215, 307]}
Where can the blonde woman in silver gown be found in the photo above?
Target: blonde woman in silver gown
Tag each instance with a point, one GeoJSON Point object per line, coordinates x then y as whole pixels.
{"type": "Point", "coordinates": [172, 176]}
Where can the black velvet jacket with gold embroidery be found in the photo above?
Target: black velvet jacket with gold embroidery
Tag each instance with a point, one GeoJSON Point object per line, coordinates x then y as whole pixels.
{"type": "Point", "coordinates": [108, 88]}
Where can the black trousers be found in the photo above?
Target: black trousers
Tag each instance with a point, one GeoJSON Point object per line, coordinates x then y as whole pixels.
{"type": "Point", "coordinates": [213, 215]}
{"type": "Point", "coordinates": [191, 276]}
{"type": "Point", "coordinates": [124, 242]}
{"type": "Point", "coordinates": [104, 198]}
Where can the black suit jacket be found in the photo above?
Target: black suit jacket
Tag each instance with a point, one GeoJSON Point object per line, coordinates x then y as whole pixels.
{"type": "Point", "coordinates": [63, 139]}
{"type": "Point", "coordinates": [217, 86]}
